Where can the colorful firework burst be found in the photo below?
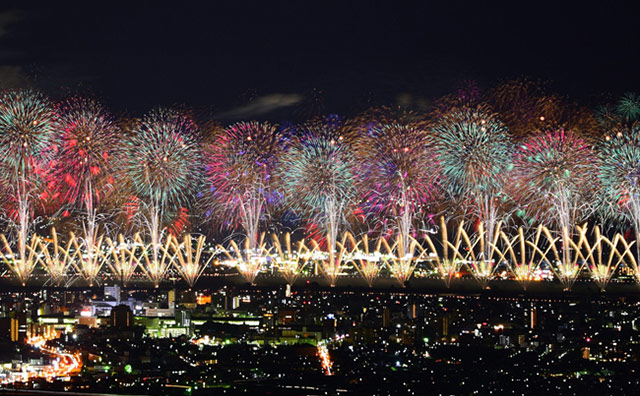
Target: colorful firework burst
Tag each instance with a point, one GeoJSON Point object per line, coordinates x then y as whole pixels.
{"type": "Point", "coordinates": [619, 175]}
{"type": "Point", "coordinates": [87, 146]}
{"type": "Point", "coordinates": [27, 123]}
{"type": "Point", "coordinates": [474, 152]}
{"type": "Point", "coordinates": [319, 175]}
{"type": "Point", "coordinates": [240, 175]}
{"type": "Point", "coordinates": [162, 165]}
{"type": "Point", "coordinates": [553, 173]}
{"type": "Point", "coordinates": [399, 175]}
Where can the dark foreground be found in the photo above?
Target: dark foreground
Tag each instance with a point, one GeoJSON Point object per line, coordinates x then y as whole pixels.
{"type": "Point", "coordinates": [319, 340]}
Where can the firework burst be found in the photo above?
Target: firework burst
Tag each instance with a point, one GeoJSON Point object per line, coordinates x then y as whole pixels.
{"type": "Point", "coordinates": [162, 165]}
{"type": "Point", "coordinates": [240, 175]}
{"type": "Point", "coordinates": [628, 107]}
{"type": "Point", "coordinates": [399, 175]}
{"type": "Point", "coordinates": [27, 123]}
{"type": "Point", "coordinates": [619, 175]}
{"type": "Point", "coordinates": [474, 154]}
{"type": "Point", "coordinates": [319, 178]}
{"type": "Point", "coordinates": [86, 145]}
{"type": "Point", "coordinates": [553, 173]}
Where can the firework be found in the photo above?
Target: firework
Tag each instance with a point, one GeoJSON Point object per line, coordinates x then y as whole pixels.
{"type": "Point", "coordinates": [619, 176]}
{"type": "Point", "coordinates": [125, 261]}
{"type": "Point", "coordinates": [189, 264]}
{"type": "Point", "coordinates": [162, 165]}
{"type": "Point", "coordinates": [628, 107]}
{"type": "Point", "coordinates": [22, 265]}
{"type": "Point", "coordinates": [553, 173]}
{"type": "Point", "coordinates": [156, 258]}
{"type": "Point", "coordinates": [57, 262]}
{"type": "Point", "coordinates": [249, 262]}
{"type": "Point", "coordinates": [240, 174]}
{"type": "Point", "coordinates": [523, 255]}
{"type": "Point", "coordinates": [91, 257]}
{"type": "Point", "coordinates": [399, 175]}
{"type": "Point", "coordinates": [367, 261]}
{"type": "Point", "coordinates": [474, 154]}
{"type": "Point", "coordinates": [402, 260]}
{"type": "Point", "coordinates": [318, 178]}
{"type": "Point", "coordinates": [87, 144]}
{"type": "Point", "coordinates": [447, 267]}
{"type": "Point", "coordinates": [602, 268]}
{"type": "Point", "coordinates": [290, 261]}
{"type": "Point", "coordinates": [27, 124]}
{"type": "Point", "coordinates": [483, 269]}
{"type": "Point", "coordinates": [331, 260]}
{"type": "Point", "coordinates": [568, 266]}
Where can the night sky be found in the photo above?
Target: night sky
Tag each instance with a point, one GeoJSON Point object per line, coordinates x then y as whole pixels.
{"type": "Point", "coordinates": [256, 59]}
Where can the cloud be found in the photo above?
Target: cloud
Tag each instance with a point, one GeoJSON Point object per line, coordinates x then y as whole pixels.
{"type": "Point", "coordinates": [7, 18]}
{"type": "Point", "coordinates": [12, 77]}
{"type": "Point", "coordinates": [261, 106]}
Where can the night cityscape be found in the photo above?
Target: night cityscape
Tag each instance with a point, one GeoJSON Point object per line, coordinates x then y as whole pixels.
{"type": "Point", "coordinates": [288, 198]}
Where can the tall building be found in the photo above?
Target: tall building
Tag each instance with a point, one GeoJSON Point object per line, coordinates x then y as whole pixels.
{"type": "Point", "coordinates": [445, 325]}
{"type": "Point", "coordinates": [533, 317]}
{"type": "Point", "coordinates": [122, 317]}
{"type": "Point", "coordinates": [386, 317]}
{"type": "Point", "coordinates": [171, 298]}
{"type": "Point", "coordinates": [412, 311]}
{"type": "Point", "coordinates": [112, 291]}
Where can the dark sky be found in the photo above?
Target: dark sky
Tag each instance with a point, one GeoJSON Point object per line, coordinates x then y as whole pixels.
{"type": "Point", "coordinates": [135, 55]}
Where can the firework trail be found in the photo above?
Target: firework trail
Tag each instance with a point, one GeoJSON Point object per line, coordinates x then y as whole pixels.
{"type": "Point", "coordinates": [27, 124]}
{"type": "Point", "coordinates": [367, 260]}
{"type": "Point", "coordinates": [21, 264]}
{"type": "Point", "coordinates": [332, 261]}
{"type": "Point", "coordinates": [162, 165]}
{"type": "Point", "coordinates": [474, 154]}
{"type": "Point", "coordinates": [57, 262]}
{"type": "Point", "coordinates": [91, 257]}
{"type": "Point", "coordinates": [125, 261]}
{"type": "Point", "coordinates": [249, 262]}
{"type": "Point", "coordinates": [290, 260]}
{"type": "Point", "coordinates": [402, 261]}
{"type": "Point", "coordinates": [240, 175]}
{"type": "Point", "coordinates": [318, 176]}
{"type": "Point", "coordinates": [189, 264]}
{"type": "Point", "coordinates": [553, 173]}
